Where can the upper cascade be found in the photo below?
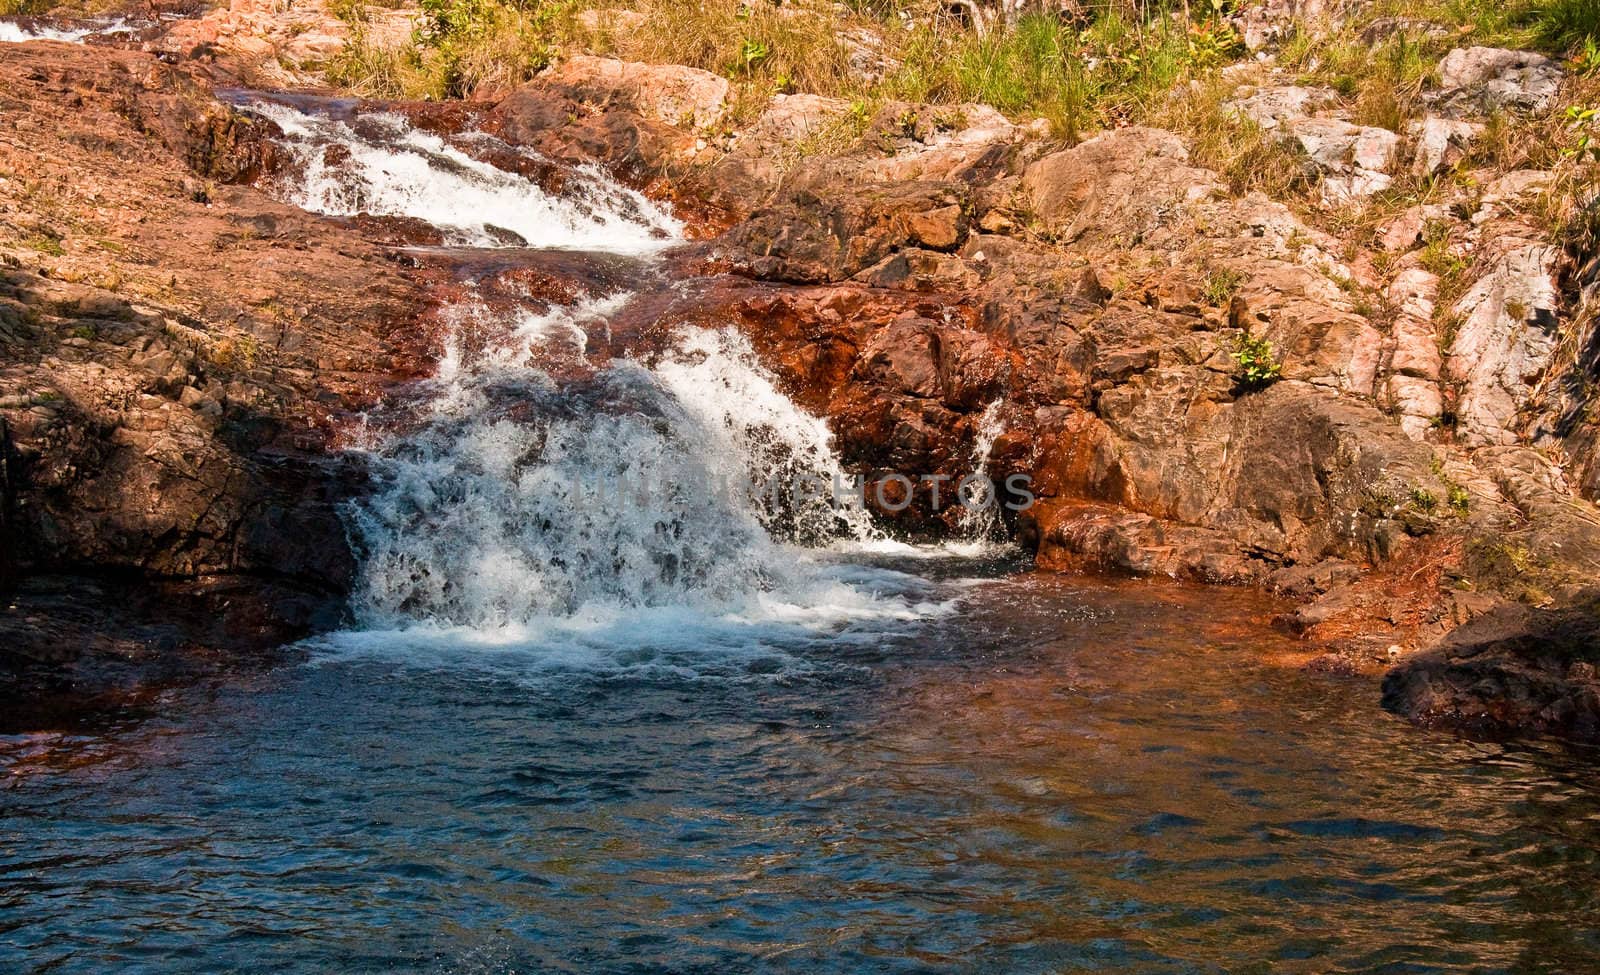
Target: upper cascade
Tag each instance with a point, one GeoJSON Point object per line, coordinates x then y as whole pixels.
{"type": "Point", "coordinates": [381, 165]}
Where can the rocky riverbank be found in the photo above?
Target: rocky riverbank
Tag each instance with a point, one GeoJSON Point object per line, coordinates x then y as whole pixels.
{"type": "Point", "coordinates": [184, 353]}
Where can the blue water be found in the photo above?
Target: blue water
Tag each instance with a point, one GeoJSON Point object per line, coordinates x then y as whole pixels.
{"type": "Point", "coordinates": [1057, 776]}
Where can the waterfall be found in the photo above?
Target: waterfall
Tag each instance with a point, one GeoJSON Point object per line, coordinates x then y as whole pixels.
{"type": "Point", "coordinates": [379, 164]}
{"type": "Point", "coordinates": [983, 524]}
{"type": "Point", "coordinates": [626, 503]}
{"type": "Point", "coordinates": [641, 486]}
{"type": "Point", "coordinates": [15, 33]}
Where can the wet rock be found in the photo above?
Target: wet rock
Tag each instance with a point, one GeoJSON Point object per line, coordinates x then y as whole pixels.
{"type": "Point", "coordinates": [1513, 671]}
{"type": "Point", "coordinates": [75, 645]}
{"type": "Point", "coordinates": [1105, 539]}
{"type": "Point", "coordinates": [579, 123]}
{"type": "Point", "coordinates": [180, 435]}
{"type": "Point", "coordinates": [812, 239]}
{"type": "Point", "coordinates": [1315, 579]}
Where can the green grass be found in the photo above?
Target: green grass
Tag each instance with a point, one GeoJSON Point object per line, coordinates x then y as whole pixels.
{"type": "Point", "coordinates": [1567, 23]}
{"type": "Point", "coordinates": [1116, 68]}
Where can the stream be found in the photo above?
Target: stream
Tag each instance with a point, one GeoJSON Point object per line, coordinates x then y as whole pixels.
{"type": "Point", "coordinates": [605, 705]}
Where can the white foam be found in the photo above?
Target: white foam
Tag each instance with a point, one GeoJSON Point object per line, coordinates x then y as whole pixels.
{"type": "Point", "coordinates": [14, 33]}
{"type": "Point", "coordinates": [386, 167]}
{"type": "Point", "coordinates": [636, 497]}
{"type": "Point", "coordinates": [11, 33]}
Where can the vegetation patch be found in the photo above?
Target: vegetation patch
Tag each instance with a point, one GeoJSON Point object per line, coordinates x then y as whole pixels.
{"type": "Point", "coordinates": [1258, 362]}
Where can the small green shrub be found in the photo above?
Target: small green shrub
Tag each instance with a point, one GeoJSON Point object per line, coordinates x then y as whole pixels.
{"type": "Point", "coordinates": [1584, 123]}
{"type": "Point", "coordinates": [1587, 59]}
{"type": "Point", "coordinates": [1258, 362]}
{"type": "Point", "coordinates": [752, 53]}
{"type": "Point", "coordinates": [461, 45]}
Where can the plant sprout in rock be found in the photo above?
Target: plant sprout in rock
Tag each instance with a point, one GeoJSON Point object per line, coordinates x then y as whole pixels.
{"type": "Point", "coordinates": [1258, 362]}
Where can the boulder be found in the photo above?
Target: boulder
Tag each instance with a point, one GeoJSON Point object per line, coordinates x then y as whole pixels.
{"type": "Point", "coordinates": [1354, 159]}
{"type": "Point", "coordinates": [1441, 143]}
{"type": "Point", "coordinates": [1493, 78]}
{"type": "Point", "coordinates": [1119, 185]}
{"type": "Point", "coordinates": [669, 93]}
{"type": "Point", "coordinates": [1512, 671]}
{"type": "Point", "coordinates": [1507, 336]}
{"type": "Point", "coordinates": [1273, 105]}
{"type": "Point", "coordinates": [812, 239]}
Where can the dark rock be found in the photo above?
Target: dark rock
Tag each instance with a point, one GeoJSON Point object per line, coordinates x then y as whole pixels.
{"type": "Point", "coordinates": [1513, 671]}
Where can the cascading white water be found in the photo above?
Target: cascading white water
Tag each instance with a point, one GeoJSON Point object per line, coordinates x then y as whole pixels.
{"type": "Point", "coordinates": [383, 166]}
{"type": "Point", "coordinates": [718, 381]}
{"type": "Point", "coordinates": [982, 523]}
{"type": "Point", "coordinates": [617, 510]}
{"type": "Point", "coordinates": [14, 33]}
{"type": "Point", "coordinates": [638, 488]}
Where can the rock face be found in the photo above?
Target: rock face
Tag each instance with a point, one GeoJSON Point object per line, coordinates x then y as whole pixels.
{"type": "Point", "coordinates": [1126, 179]}
{"type": "Point", "coordinates": [173, 356]}
{"type": "Point", "coordinates": [1507, 337]}
{"type": "Point", "coordinates": [1355, 159]}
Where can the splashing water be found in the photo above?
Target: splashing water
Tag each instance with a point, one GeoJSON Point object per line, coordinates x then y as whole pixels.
{"type": "Point", "coordinates": [717, 379]}
{"type": "Point", "coordinates": [381, 165]}
{"type": "Point", "coordinates": [637, 489]}
{"type": "Point", "coordinates": [982, 523]}
{"type": "Point", "coordinates": [14, 33]}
